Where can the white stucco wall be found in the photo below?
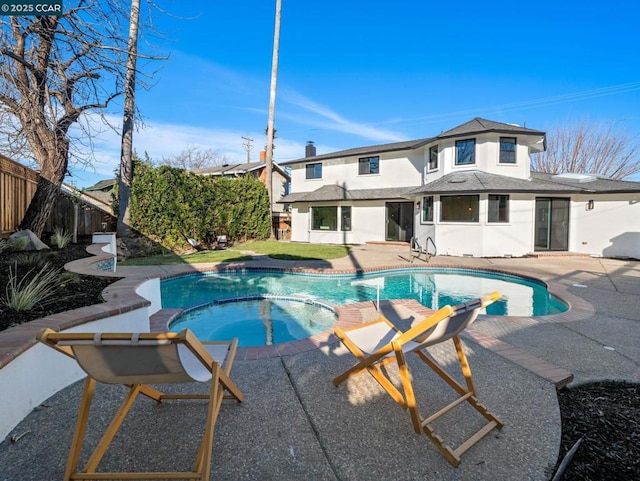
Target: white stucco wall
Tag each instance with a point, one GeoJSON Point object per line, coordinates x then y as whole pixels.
{"type": "Point", "coordinates": [610, 229]}
{"type": "Point", "coordinates": [39, 372]}
{"type": "Point", "coordinates": [368, 221]}
{"type": "Point", "coordinates": [396, 170]}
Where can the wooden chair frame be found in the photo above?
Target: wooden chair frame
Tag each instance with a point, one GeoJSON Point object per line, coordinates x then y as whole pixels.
{"type": "Point", "coordinates": [414, 340]}
{"type": "Point", "coordinates": [222, 387]}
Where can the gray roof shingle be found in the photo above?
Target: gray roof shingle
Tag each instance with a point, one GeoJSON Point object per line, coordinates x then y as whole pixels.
{"type": "Point", "coordinates": [334, 192]}
{"type": "Point", "coordinates": [477, 181]}
{"type": "Point", "coordinates": [478, 126]}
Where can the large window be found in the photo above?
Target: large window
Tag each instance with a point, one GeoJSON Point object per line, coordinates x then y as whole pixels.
{"type": "Point", "coordinates": [466, 152]}
{"type": "Point", "coordinates": [345, 217]}
{"type": "Point", "coordinates": [369, 165]}
{"type": "Point", "coordinates": [314, 171]}
{"type": "Point", "coordinates": [498, 208]}
{"type": "Point", "coordinates": [507, 150]}
{"type": "Point", "coordinates": [427, 209]}
{"type": "Point", "coordinates": [459, 208]}
{"type": "Point", "coordinates": [433, 157]}
{"type": "Point", "coordinates": [325, 218]}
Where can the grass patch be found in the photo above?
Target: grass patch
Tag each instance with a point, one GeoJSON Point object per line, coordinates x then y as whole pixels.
{"type": "Point", "coordinates": [195, 258]}
{"type": "Point", "coordinates": [295, 251]}
{"type": "Point", "coordinates": [277, 250]}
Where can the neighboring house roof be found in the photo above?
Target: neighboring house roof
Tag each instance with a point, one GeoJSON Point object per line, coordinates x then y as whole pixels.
{"type": "Point", "coordinates": [237, 169]}
{"type": "Point", "coordinates": [335, 192]}
{"type": "Point", "coordinates": [478, 181]}
{"type": "Point", "coordinates": [103, 185]}
{"type": "Point", "coordinates": [480, 126]}
{"type": "Point", "coordinates": [374, 149]}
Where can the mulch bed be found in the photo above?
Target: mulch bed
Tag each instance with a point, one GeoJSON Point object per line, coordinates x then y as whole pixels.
{"type": "Point", "coordinates": [79, 291]}
{"type": "Point", "coordinates": [606, 415]}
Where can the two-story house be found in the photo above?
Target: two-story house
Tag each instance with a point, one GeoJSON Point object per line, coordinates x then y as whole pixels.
{"type": "Point", "coordinates": [470, 189]}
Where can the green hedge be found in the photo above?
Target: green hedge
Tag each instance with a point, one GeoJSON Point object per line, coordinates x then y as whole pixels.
{"type": "Point", "coordinates": [171, 205]}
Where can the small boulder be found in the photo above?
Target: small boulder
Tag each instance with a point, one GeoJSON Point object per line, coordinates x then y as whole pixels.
{"type": "Point", "coordinates": [31, 244]}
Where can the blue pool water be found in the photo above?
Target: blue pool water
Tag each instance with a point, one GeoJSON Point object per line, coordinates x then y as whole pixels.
{"type": "Point", "coordinates": [258, 321]}
{"type": "Point", "coordinates": [432, 287]}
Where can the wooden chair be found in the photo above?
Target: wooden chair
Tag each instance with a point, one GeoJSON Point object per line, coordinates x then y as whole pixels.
{"type": "Point", "coordinates": [137, 360]}
{"type": "Point", "coordinates": [379, 342]}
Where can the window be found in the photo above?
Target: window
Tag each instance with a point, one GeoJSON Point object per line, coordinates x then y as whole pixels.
{"type": "Point", "coordinates": [433, 157]}
{"type": "Point", "coordinates": [369, 165]}
{"type": "Point", "coordinates": [459, 208]}
{"type": "Point", "coordinates": [314, 171]}
{"type": "Point", "coordinates": [427, 209]}
{"type": "Point", "coordinates": [507, 150]}
{"type": "Point", "coordinates": [466, 152]}
{"type": "Point", "coordinates": [325, 218]}
{"type": "Point", "coordinates": [345, 218]}
{"type": "Point", "coordinates": [498, 208]}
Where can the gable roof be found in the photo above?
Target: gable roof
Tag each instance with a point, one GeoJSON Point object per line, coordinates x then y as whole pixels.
{"type": "Point", "coordinates": [474, 181]}
{"type": "Point", "coordinates": [472, 127]}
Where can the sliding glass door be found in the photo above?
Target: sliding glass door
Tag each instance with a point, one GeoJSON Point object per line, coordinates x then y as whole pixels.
{"type": "Point", "coordinates": [552, 224]}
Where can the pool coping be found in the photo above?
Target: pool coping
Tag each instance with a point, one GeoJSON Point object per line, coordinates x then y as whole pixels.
{"type": "Point", "coordinates": [121, 297]}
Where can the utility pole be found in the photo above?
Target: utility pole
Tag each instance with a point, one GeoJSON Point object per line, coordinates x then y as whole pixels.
{"type": "Point", "coordinates": [247, 146]}
{"type": "Point", "coordinates": [272, 108]}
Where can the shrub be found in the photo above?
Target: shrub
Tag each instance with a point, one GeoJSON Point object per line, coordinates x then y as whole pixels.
{"type": "Point", "coordinates": [18, 244]}
{"type": "Point", "coordinates": [31, 260]}
{"type": "Point", "coordinates": [60, 238]}
{"type": "Point", "coordinates": [172, 205]}
{"type": "Point", "coordinates": [23, 293]}
{"type": "Point", "coordinates": [4, 245]}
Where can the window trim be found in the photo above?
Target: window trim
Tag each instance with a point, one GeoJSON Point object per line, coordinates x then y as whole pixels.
{"type": "Point", "coordinates": [513, 152]}
{"type": "Point", "coordinates": [431, 168]}
{"type": "Point", "coordinates": [507, 209]}
{"type": "Point", "coordinates": [473, 153]}
{"type": "Point", "coordinates": [367, 160]}
{"type": "Point", "coordinates": [477, 205]}
{"type": "Point", "coordinates": [319, 229]}
{"type": "Point", "coordinates": [306, 170]}
{"type": "Point", "coordinates": [423, 202]}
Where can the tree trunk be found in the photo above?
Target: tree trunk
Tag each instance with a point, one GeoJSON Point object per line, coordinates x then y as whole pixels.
{"type": "Point", "coordinates": [40, 207]}
{"type": "Point", "coordinates": [49, 182]}
{"type": "Point", "coordinates": [126, 154]}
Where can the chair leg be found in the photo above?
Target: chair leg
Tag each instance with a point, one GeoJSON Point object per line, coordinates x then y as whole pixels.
{"type": "Point", "coordinates": [81, 428]}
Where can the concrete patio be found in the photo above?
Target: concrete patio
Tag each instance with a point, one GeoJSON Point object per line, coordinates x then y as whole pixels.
{"type": "Point", "coordinates": [294, 424]}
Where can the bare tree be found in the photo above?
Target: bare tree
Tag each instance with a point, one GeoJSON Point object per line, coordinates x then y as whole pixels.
{"type": "Point", "coordinates": [195, 157]}
{"type": "Point", "coordinates": [589, 148]}
{"type": "Point", "coordinates": [55, 71]}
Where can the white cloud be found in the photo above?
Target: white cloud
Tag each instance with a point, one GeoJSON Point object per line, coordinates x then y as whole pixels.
{"type": "Point", "coordinates": [328, 119]}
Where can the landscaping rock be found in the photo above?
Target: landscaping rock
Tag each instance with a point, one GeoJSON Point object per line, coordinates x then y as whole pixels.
{"type": "Point", "coordinates": [33, 242]}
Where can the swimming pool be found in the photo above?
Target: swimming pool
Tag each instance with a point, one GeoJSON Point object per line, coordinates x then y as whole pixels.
{"type": "Point", "coordinates": [258, 321]}
{"type": "Point", "coordinates": [431, 287]}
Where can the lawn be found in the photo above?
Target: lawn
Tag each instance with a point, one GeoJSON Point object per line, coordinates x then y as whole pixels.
{"type": "Point", "coordinates": [271, 248]}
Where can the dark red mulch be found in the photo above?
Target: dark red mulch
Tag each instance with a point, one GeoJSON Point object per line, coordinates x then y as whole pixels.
{"type": "Point", "coordinates": [79, 291]}
{"type": "Point", "coordinates": [606, 415]}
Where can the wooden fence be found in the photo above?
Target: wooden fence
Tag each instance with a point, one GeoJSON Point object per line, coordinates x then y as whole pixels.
{"type": "Point", "coordinates": [17, 187]}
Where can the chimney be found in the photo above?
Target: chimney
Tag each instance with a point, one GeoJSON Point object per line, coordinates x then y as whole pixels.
{"type": "Point", "coordinates": [263, 155]}
{"type": "Point", "coordinates": [310, 149]}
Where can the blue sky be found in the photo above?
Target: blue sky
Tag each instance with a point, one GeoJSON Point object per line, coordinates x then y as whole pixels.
{"type": "Point", "coordinates": [356, 73]}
